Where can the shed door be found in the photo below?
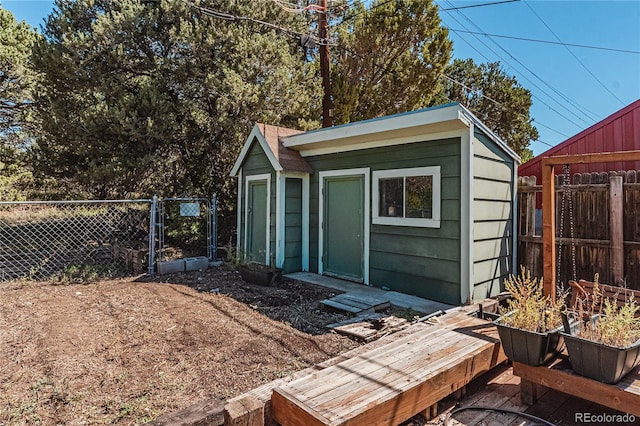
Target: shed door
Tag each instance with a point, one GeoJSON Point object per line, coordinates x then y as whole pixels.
{"type": "Point", "coordinates": [257, 221]}
{"type": "Point", "coordinates": [343, 222]}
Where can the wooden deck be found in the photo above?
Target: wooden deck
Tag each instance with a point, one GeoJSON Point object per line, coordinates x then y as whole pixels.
{"type": "Point", "coordinates": [392, 383]}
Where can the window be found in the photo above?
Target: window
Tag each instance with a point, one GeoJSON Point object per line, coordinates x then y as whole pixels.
{"type": "Point", "coordinates": [407, 197]}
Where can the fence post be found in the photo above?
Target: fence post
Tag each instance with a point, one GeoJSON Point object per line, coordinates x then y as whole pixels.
{"type": "Point", "coordinates": [214, 231]}
{"type": "Point", "coordinates": [152, 236]}
{"type": "Point", "coordinates": [616, 228]}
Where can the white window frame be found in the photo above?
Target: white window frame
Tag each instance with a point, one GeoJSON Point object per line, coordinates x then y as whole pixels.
{"type": "Point", "coordinates": [433, 222]}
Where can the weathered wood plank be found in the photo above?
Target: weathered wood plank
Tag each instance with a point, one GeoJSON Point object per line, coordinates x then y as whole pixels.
{"type": "Point", "coordinates": [548, 230]}
{"type": "Point", "coordinates": [394, 382]}
{"type": "Point", "coordinates": [624, 396]}
{"type": "Point", "coordinates": [369, 329]}
{"type": "Point", "coordinates": [205, 413]}
{"type": "Point", "coordinates": [356, 303]}
{"type": "Point", "coordinates": [395, 407]}
{"type": "Point", "coordinates": [616, 220]}
{"type": "Point", "coordinates": [245, 411]}
{"type": "Point", "coordinates": [395, 346]}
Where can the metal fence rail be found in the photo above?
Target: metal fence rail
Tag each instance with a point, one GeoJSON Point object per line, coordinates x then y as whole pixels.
{"type": "Point", "coordinates": [41, 240]}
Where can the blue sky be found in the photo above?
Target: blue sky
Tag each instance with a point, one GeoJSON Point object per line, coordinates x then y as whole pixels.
{"type": "Point", "coordinates": [572, 87]}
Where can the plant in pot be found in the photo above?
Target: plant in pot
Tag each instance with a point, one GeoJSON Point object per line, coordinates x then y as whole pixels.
{"type": "Point", "coordinates": [259, 273]}
{"type": "Point", "coordinates": [529, 326]}
{"type": "Point", "coordinates": [606, 344]}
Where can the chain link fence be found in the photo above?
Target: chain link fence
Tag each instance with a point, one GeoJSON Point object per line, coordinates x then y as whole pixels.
{"type": "Point", "coordinates": [78, 240]}
{"type": "Point", "coordinates": [186, 228]}
{"type": "Point", "coordinates": [74, 239]}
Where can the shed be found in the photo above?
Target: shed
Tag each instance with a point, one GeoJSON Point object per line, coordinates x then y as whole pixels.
{"type": "Point", "coordinates": [421, 202]}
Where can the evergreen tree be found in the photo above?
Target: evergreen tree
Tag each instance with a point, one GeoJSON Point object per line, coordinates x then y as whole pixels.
{"type": "Point", "coordinates": [16, 82]}
{"type": "Point", "coordinates": [389, 58]}
{"type": "Point", "coordinates": [496, 98]}
{"type": "Point", "coordinates": [157, 97]}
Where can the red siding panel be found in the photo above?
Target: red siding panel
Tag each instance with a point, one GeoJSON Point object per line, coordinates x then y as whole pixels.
{"type": "Point", "coordinates": [618, 132]}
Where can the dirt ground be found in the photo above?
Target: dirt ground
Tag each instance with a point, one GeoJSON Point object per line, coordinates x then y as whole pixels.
{"type": "Point", "coordinates": [127, 351]}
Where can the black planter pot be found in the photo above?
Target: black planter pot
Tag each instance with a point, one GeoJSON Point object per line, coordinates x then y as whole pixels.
{"type": "Point", "coordinates": [600, 362]}
{"type": "Point", "coordinates": [260, 274]}
{"type": "Point", "coordinates": [529, 347]}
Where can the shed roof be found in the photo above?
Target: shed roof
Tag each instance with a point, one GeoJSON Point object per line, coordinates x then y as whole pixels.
{"type": "Point", "coordinates": [618, 132]}
{"type": "Point", "coordinates": [286, 147]}
{"type": "Point", "coordinates": [405, 127]}
{"type": "Point", "coordinates": [270, 139]}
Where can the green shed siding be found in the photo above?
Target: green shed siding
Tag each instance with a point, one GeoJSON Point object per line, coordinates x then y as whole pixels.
{"type": "Point", "coordinates": [493, 216]}
{"type": "Point", "coordinates": [257, 163]}
{"type": "Point", "coordinates": [293, 226]}
{"type": "Point", "coordinates": [420, 261]}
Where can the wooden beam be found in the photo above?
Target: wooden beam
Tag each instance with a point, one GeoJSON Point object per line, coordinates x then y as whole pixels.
{"type": "Point", "coordinates": [624, 397]}
{"type": "Point", "coordinates": [246, 411]}
{"type": "Point", "coordinates": [548, 230]}
{"type": "Point", "coordinates": [602, 157]}
{"type": "Point", "coordinates": [616, 217]}
{"type": "Point", "coordinates": [209, 412]}
{"type": "Point", "coordinates": [529, 392]}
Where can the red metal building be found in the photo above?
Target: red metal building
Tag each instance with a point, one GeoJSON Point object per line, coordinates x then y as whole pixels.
{"type": "Point", "coordinates": [618, 132]}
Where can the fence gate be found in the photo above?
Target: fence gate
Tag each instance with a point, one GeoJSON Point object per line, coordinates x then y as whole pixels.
{"type": "Point", "coordinates": [186, 228]}
{"type": "Point", "coordinates": [75, 239]}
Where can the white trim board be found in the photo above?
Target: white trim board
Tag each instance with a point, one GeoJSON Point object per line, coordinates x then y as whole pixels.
{"type": "Point", "coordinates": [280, 217]}
{"type": "Point", "coordinates": [267, 177]}
{"type": "Point", "coordinates": [466, 216]}
{"type": "Point", "coordinates": [384, 142]}
{"type": "Point", "coordinates": [367, 214]}
{"type": "Point", "coordinates": [239, 220]}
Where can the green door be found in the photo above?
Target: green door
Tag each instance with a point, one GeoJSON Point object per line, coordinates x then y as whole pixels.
{"type": "Point", "coordinates": [343, 242]}
{"type": "Point", "coordinates": [257, 221]}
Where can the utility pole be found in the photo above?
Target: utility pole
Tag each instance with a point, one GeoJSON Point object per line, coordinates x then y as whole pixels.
{"type": "Point", "coordinates": [323, 29]}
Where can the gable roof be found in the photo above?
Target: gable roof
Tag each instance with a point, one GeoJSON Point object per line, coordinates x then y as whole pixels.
{"type": "Point", "coordinates": [280, 157]}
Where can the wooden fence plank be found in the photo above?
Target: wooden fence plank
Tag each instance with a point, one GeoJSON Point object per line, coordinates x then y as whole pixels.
{"type": "Point", "coordinates": [594, 223]}
{"type": "Point", "coordinates": [616, 224]}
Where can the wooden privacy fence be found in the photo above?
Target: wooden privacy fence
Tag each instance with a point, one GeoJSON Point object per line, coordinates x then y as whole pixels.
{"type": "Point", "coordinates": [603, 209]}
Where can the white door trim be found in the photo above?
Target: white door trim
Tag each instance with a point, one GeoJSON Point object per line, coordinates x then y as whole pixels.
{"type": "Point", "coordinates": [365, 172]}
{"type": "Point", "coordinates": [248, 179]}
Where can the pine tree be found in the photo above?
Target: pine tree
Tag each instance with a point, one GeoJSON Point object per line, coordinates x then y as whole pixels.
{"type": "Point", "coordinates": [157, 97]}
{"type": "Point", "coordinates": [496, 98]}
{"type": "Point", "coordinates": [16, 83]}
{"type": "Point", "coordinates": [389, 58]}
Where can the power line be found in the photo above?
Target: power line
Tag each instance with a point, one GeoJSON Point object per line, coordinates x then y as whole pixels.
{"type": "Point", "coordinates": [453, 80]}
{"type": "Point", "coordinates": [577, 59]}
{"type": "Point", "coordinates": [234, 18]}
{"type": "Point", "coordinates": [350, 17]}
{"type": "Point", "coordinates": [582, 110]}
{"type": "Point", "coordinates": [480, 5]}
{"type": "Point", "coordinates": [547, 41]}
{"type": "Point", "coordinates": [295, 8]}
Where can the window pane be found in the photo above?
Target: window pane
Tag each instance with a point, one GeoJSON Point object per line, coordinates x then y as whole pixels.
{"type": "Point", "coordinates": [419, 196]}
{"type": "Point", "coordinates": [390, 192]}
